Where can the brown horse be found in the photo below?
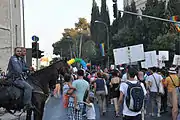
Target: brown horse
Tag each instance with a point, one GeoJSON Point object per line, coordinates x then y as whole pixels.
{"type": "Point", "coordinates": [41, 81]}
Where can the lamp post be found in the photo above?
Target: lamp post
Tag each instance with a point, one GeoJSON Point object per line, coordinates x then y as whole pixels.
{"type": "Point", "coordinates": [107, 30]}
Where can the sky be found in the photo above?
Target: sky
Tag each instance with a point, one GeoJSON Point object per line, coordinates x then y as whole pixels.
{"type": "Point", "coordinates": [47, 20]}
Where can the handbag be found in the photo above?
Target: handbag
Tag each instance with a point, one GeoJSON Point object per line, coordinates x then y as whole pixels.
{"type": "Point", "coordinates": [160, 88]}
{"type": "Point", "coordinates": [105, 88]}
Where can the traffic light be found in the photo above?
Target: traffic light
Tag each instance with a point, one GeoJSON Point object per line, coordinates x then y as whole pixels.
{"type": "Point", "coordinates": [115, 10]}
{"type": "Point", "coordinates": [40, 54]}
{"type": "Point", "coordinates": [35, 47]}
{"type": "Point", "coordinates": [114, 0]}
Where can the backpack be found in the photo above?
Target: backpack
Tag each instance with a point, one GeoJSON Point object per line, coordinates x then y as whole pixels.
{"type": "Point", "coordinates": [135, 97]}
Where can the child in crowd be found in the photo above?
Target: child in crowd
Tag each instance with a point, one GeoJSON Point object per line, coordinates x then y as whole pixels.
{"type": "Point", "coordinates": [66, 92]}
{"type": "Point", "coordinates": [90, 109]}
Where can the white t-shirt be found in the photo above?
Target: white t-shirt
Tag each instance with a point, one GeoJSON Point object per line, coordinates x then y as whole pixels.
{"type": "Point", "coordinates": [124, 78]}
{"type": "Point", "coordinates": [90, 112]}
{"type": "Point", "coordinates": [123, 88]}
{"type": "Point", "coordinates": [151, 79]}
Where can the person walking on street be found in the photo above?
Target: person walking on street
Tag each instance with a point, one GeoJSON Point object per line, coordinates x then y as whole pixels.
{"type": "Point", "coordinates": [100, 92]}
{"type": "Point", "coordinates": [132, 92]}
{"type": "Point", "coordinates": [82, 88]}
{"type": "Point", "coordinates": [154, 82]}
{"type": "Point", "coordinates": [172, 81]}
{"type": "Point", "coordinates": [115, 84]}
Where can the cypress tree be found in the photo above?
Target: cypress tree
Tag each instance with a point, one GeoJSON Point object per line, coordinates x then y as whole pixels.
{"type": "Point", "coordinates": [104, 17]}
{"type": "Point", "coordinates": [94, 26]}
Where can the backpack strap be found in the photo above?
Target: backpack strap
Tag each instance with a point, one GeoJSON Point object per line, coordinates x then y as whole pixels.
{"type": "Point", "coordinates": [156, 83]}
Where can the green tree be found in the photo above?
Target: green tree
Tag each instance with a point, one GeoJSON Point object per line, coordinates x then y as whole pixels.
{"type": "Point", "coordinates": [166, 42]}
{"type": "Point", "coordinates": [72, 40]}
{"type": "Point", "coordinates": [173, 7]}
{"type": "Point", "coordinates": [126, 34]}
{"type": "Point", "coordinates": [95, 15]}
{"type": "Point", "coordinates": [70, 32]}
{"type": "Point", "coordinates": [62, 47]}
{"type": "Point", "coordinates": [153, 28]}
{"type": "Point", "coordinates": [104, 17]}
{"type": "Point", "coordinates": [89, 50]}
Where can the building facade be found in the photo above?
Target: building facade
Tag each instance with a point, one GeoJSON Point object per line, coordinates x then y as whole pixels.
{"type": "Point", "coordinates": [140, 4]}
{"type": "Point", "coordinates": [10, 29]}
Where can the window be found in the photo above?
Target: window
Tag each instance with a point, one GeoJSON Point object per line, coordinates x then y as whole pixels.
{"type": "Point", "coordinates": [14, 3]}
{"type": "Point", "coordinates": [16, 35]}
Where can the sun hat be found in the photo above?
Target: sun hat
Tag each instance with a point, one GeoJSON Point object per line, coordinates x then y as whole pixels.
{"type": "Point", "coordinates": [172, 70]}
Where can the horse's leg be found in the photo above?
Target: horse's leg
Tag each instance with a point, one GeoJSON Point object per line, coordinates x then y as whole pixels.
{"type": "Point", "coordinates": [42, 109]}
{"type": "Point", "coordinates": [28, 116]}
{"type": "Point", "coordinates": [38, 115]}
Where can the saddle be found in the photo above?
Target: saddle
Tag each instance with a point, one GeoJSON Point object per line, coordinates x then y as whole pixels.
{"type": "Point", "coordinates": [11, 95]}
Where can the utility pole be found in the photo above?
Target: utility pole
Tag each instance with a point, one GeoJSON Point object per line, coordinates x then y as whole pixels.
{"type": "Point", "coordinates": [80, 45]}
{"type": "Point", "coordinates": [107, 30]}
{"type": "Point", "coordinates": [151, 17]}
{"type": "Point", "coordinates": [23, 21]}
{"type": "Point", "coordinates": [35, 49]}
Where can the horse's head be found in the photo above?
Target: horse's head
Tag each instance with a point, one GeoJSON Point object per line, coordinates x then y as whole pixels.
{"type": "Point", "coordinates": [60, 67]}
{"type": "Point", "coordinates": [48, 76]}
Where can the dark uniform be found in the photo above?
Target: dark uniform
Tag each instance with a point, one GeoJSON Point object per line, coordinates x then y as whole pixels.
{"type": "Point", "coordinates": [15, 73]}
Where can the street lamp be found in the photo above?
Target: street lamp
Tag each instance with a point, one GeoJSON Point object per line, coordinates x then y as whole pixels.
{"type": "Point", "coordinates": [107, 30]}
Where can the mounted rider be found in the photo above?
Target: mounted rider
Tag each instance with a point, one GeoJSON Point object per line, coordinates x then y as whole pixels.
{"type": "Point", "coordinates": [25, 67]}
{"type": "Point", "coordinates": [15, 73]}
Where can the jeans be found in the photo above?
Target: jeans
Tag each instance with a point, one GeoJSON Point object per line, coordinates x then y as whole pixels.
{"type": "Point", "coordinates": [101, 101]}
{"type": "Point", "coordinates": [27, 90]}
{"type": "Point", "coordinates": [155, 99]}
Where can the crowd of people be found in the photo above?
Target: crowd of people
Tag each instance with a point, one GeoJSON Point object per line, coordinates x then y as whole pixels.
{"type": "Point", "coordinates": [130, 90]}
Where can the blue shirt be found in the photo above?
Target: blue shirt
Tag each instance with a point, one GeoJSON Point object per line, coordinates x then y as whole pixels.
{"type": "Point", "coordinates": [24, 65]}
{"type": "Point", "coordinates": [14, 66]}
{"type": "Point", "coordinates": [81, 86]}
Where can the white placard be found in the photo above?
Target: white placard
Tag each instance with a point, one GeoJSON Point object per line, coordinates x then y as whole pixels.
{"type": "Point", "coordinates": [129, 54]}
{"type": "Point", "coordinates": [176, 60]}
{"type": "Point", "coordinates": [160, 63]}
{"type": "Point", "coordinates": [120, 55]}
{"type": "Point", "coordinates": [143, 65]}
{"type": "Point", "coordinates": [151, 59]}
{"type": "Point", "coordinates": [137, 53]}
{"type": "Point", "coordinates": [164, 55]}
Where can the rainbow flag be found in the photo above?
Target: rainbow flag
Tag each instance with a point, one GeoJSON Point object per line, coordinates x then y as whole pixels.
{"type": "Point", "coordinates": [175, 18]}
{"type": "Point", "coordinates": [102, 49]}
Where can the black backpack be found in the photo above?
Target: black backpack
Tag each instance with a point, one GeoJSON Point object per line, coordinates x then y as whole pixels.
{"type": "Point", "coordinates": [135, 97]}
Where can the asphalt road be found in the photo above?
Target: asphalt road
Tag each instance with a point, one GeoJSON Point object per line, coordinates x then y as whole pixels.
{"type": "Point", "coordinates": [55, 111]}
